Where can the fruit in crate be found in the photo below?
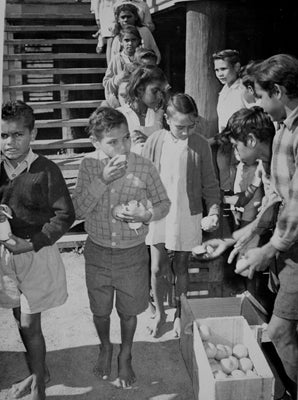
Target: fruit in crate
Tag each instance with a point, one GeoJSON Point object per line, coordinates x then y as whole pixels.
{"type": "Point", "coordinates": [221, 352]}
{"type": "Point", "coordinates": [240, 351]}
{"type": "Point", "coordinates": [237, 374]}
{"type": "Point", "coordinates": [215, 365]}
{"type": "Point", "coordinates": [210, 349]}
{"type": "Point", "coordinates": [229, 364]}
{"type": "Point", "coordinates": [219, 375]}
{"type": "Point", "coordinates": [245, 364]}
{"type": "Point", "coordinates": [204, 332]}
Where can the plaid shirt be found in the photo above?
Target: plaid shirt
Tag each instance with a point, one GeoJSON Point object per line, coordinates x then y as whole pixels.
{"type": "Point", "coordinates": [284, 178]}
{"type": "Point", "coordinates": [93, 200]}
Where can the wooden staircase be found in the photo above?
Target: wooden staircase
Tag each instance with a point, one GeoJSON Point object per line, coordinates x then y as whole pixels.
{"type": "Point", "coordinates": [50, 62]}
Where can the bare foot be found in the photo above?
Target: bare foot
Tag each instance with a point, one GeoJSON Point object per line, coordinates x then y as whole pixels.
{"type": "Point", "coordinates": [38, 391]}
{"type": "Point", "coordinates": [158, 322]}
{"type": "Point", "coordinates": [23, 387]}
{"type": "Point", "coordinates": [102, 368]}
{"type": "Point", "coordinates": [126, 376]}
{"type": "Point", "coordinates": [177, 327]}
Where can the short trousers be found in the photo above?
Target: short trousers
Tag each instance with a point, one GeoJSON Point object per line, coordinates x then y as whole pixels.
{"type": "Point", "coordinates": [124, 272]}
{"type": "Point", "coordinates": [41, 279]}
{"type": "Point", "coordinates": [286, 302]}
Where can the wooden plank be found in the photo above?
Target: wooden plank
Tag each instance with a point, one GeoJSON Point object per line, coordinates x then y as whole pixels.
{"type": "Point", "coordinates": [60, 144]}
{"type": "Point", "coordinates": [54, 71]}
{"type": "Point", "coordinates": [53, 42]}
{"type": "Point", "coordinates": [2, 14]}
{"type": "Point", "coordinates": [72, 240]}
{"type": "Point", "coordinates": [50, 28]}
{"type": "Point", "coordinates": [65, 104]}
{"type": "Point", "coordinates": [56, 123]}
{"type": "Point", "coordinates": [36, 16]}
{"type": "Point", "coordinates": [54, 56]}
{"type": "Point", "coordinates": [53, 87]}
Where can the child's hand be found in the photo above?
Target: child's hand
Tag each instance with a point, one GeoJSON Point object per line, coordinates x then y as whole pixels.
{"type": "Point", "coordinates": [17, 245]}
{"type": "Point", "coordinates": [114, 169]}
{"type": "Point", "coordinates": [209, 223]}
{"type": "Point", "coordinates": [5, 212]}
{"type": "Point", "coordinates": [230, 200]}
{"type": "Point", "coordinates": [136, 214]}
{"type": "Point", "coordinates": [215, 247]}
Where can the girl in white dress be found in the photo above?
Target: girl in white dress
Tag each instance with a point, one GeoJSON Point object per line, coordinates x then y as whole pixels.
{"type": "Point", "coordinates": [144, 104]}
{"type": "Point", "coordinates": [183, 158]}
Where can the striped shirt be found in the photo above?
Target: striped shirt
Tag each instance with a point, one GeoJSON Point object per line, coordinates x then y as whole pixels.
{"type": "Point", "coordinates": [284, 178]}
{"type": "Point", "coordinates": [94, 200]}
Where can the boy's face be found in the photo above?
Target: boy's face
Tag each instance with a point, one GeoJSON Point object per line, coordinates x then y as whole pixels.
{"type": "Point", "coordinates": [225, 72]}
{"type": "Point", "coordinates": [15, 140]}
{"type": "Point", "coordinates": [115, 141]}
{"type": "Point", "coordinates": [248, 153]}
{"type": "Point", "coordinates": [271, 104]}
{"type": "Point", "coordinates": [181, 125]}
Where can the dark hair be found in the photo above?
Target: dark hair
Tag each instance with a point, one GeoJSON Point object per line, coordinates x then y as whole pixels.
{"type": "Point", "coordinates": [104, 119]}
{"type": "Point", "coordinates": [247, 73]}
{"type": "Point", "coordinates": [142, 54]}
{"type": "Point", "coordinates": [18, 111]}
{"type": "Point", "coordinates": [250, 120]}
{"type": "Point", "coordinates": [183, 103]}
{"type": "Point", "coordinates": [231, 56]}
{"type": "Point", "coordinates": [141, 76]}
{"type": "Point", "coordinates": [126, 7]}
{"type": "Point", "coordinates": [281, 69]}
{"type": "Point", "coordinates": [130, 29]}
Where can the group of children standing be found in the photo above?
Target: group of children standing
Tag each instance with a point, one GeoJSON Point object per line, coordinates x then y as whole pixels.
{"type": "Point", "coordinates": [151, 181]}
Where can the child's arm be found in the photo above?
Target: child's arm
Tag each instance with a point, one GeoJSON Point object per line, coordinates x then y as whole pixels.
{"type": "Point", "coordinates": [149, 42]}
{"type": "Point", "coordinates": [112, 78]}
{"type": "Point", "coordinates": [89, 188]}
{"type": "Point", "coordinates": [157, 195]}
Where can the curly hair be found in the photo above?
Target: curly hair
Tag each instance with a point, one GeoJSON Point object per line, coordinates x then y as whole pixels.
{"type": "Point", "coordinates": [18, 111]}
{"type": "Point", "coordinates": [103, 119]}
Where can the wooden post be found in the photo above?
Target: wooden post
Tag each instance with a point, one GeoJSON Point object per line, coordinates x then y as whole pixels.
{"type": "Point", "coordinates": [2, 16]}
{"type": "Point", "coordinates": [205, 34]}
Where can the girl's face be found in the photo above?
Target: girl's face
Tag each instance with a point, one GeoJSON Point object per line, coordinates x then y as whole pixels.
{"type": "Point", "coordinates": [225, 72]}
{"type": "Point", "coordinates": [152, 94]}
{"type": "Point", "coordinates": [129, 43]}
{"type": "Point", "coordinates": [271, 104]}
{"type": "Point", "coordinates": [181, 125]}
{"type": "Point", "coordinates": [126, 18]}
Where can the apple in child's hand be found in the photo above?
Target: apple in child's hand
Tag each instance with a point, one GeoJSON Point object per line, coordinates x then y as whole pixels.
{"type": "Point", "coordinates": [120, 160]}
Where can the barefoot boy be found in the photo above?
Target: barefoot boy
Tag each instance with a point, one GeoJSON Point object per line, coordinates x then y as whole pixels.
{"type": "Point", "coordinates": [116, 255]}
{"type": "Point", "coordinates": [34, 190]}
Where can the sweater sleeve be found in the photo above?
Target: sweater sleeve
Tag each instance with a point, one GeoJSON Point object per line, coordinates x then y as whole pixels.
{"type": "Point", "coordinates": [61, 205]}
{"type": "Point", "coordinates": [210, 186]}
{"type": "Point", "coordinates": [110, 80]}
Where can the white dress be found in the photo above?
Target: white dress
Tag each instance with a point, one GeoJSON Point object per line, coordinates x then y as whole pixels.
{"type": "Point", "coordinates": [153, 123]}
{"type": "Point", "coordinates": [179, 230]}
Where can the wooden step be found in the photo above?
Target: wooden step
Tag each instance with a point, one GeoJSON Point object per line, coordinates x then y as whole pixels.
{"type": "Point", "coordinates": [53, 42]}
{"type": "Point", "coordinates": [54, 87]}
{"type": "Point", "coordinates": [53, 56]}
{"type": "Point", "coordinates": [50, 28]}
{"type": "Point", "coordinates": [50, 144]}
{"type": "Point", "coordinates": [38, 16]}
{"type": "Point", "coordinates": [45, 105]}
{"type": "Point", "coordinates": [58, 123]}
{"type": "Point", "coordinates": [53, 71]}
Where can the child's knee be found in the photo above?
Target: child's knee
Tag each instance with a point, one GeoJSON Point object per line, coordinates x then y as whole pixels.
{"type": "Point", "coordinates": [126, 317]}
{"type": "Point", "coordinates": [157, 270]}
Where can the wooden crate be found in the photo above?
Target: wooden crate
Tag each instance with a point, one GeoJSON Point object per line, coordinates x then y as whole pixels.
{"type": "Point", "coordinates": [192, 309]}
{"type": "Point", "coordinates": [205, 278]}
{"type": "Point", "coordinates": [230, 331]}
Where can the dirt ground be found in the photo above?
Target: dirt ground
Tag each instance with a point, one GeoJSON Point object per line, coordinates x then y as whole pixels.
{"type": "Point", "coordinates": [72, 348]}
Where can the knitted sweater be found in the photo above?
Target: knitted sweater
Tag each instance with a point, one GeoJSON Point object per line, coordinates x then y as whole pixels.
{"type": "Point", "coordinates": [41, 206]}
{"type": "Point", "coordinates": [201, 183]}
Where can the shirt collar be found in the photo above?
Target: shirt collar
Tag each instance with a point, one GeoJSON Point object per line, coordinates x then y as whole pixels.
{"type": "Point", "coordinates": [22, 166]}
{"type": "Point", "coordinates": [291, 119]}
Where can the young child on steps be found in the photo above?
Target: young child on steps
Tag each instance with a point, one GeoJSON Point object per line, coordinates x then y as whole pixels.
{"type": "Point", "coordinates": [183, 158]}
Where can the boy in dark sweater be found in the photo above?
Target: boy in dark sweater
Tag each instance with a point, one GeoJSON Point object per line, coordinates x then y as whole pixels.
{"type": "Point", "coordinates": [34, 190]}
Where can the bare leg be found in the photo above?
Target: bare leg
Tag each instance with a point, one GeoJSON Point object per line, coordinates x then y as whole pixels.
{"type": "Point", "coordinates": [283, 334]}
{"type": "Point", "coordinates": [32, 337]}
{"type": "Point", "coordinates": [159, 266]}
{"type": "Point", "coordinates": [103, 367]}
{"type": "Point", "coordinates": [126, 375]}
{"type": "Point", "coordinates": [180, 267]}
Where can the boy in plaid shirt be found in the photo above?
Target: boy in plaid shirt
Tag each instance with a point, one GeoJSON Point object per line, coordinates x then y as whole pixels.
{"type": "Point", "coordinates": [115, 254]}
